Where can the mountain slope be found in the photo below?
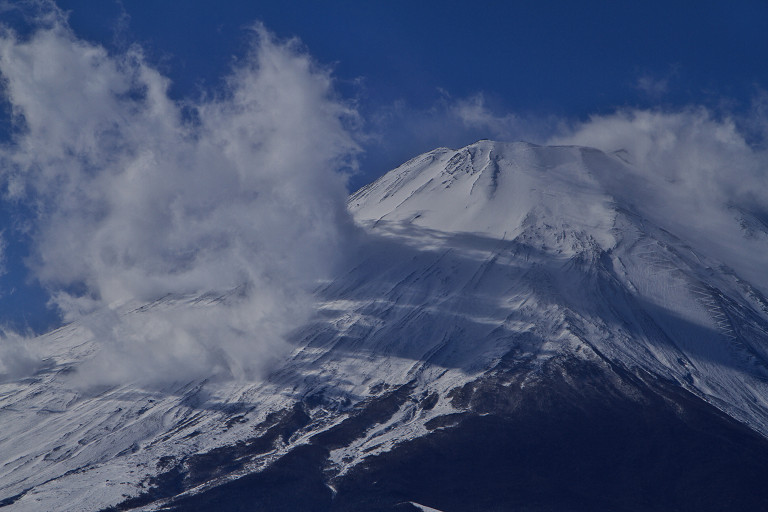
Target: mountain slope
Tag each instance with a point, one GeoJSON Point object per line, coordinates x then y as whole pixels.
{"type": "Point", "coordinates": [518, 333]}
{"type": "Point", "coordinates": [549, 233]}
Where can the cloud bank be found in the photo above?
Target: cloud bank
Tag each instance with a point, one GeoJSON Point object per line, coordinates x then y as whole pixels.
{"type": "Point", "coordinates": [238, 195]}
{"type": "Point", "coordinates": [701, 176]}
{"type": "Point", "coordinates": [136, 196]}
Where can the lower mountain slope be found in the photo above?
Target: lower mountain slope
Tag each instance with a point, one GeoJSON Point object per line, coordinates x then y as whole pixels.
{"type": "Point", "coordinates": [582, 438]}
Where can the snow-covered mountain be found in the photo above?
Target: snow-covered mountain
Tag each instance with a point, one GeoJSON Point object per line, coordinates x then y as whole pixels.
{"type": "Point", "coordinates": [521, 331]}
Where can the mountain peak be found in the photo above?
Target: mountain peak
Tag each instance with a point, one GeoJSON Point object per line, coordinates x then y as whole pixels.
{"type": "Point", "coordinates": [496, 189]}
{"type": "Point", "coordinates": [555, 193]}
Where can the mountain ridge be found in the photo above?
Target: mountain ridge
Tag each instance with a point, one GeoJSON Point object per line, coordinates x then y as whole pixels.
{"type": "Point", "coordinates": [504, 302]}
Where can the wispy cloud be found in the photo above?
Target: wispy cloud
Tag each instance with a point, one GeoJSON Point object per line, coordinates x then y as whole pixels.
{"type": "Point", "coordinates": [653, 87]}
{"type": "Point", "coordinates": [399, 131]}
{"type": "Point", "coordinates": [694, 173]}
{"type": "Point", "coordinates": [474, 114]}
{"type": "Point", "coordinates": [137, 196]}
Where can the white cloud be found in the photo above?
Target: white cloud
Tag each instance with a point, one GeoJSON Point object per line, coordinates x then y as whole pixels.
{"type": "Point", "coordinates": [693, 173]}
{"type": "Point", "coordinates": [653, 87]}
{"type": "Point", "coordinates": [16, 360]}
{"type": "Point", "coordinates": [690, 146]}
{"type": "Point", "coordinates": [137, 197]}
{"type": "Point", "coordinates": [474, 113]}
{"type": "Point", "coordinates": [401, 131]}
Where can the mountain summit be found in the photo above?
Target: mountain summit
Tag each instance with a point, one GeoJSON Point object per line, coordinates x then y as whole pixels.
{"type": "Point", "coordinates": [526, 328]}
{"type": "Point", "coordinates": [496, 190]}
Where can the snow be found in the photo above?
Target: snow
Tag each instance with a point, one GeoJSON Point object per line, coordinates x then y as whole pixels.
{"type": "Point", "coordinates": [564, 225]}
{"type": "Point", "coordinates": [490, 189]}
{"type": "Point", "coordinates": [424, 508]}
{"type": "Point", "coordinates": [467, 254]}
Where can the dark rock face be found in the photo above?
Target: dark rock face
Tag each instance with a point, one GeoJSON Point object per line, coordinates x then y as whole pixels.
{"type": "Point", "coordinates": [574, 449]}
{"type": "Point", "coordinates": [585, 436]}
{"type": "Point", "coordinates": [295, 482]}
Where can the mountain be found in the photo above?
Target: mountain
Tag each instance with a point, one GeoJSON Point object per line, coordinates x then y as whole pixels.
{"type": "Point", "coordinates": [525, 328]}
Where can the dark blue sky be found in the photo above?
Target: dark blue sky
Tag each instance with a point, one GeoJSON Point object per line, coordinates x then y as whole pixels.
{"type": "Point", "coordinates": [538, 59]}
{"type": "Point", "coordinates": [404, 62]}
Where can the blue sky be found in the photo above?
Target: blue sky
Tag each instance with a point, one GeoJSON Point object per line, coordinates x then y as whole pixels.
{"type": "Point", "coordinates": [422, 74]}
{"type": "Point", "coordinates": [541, 59]}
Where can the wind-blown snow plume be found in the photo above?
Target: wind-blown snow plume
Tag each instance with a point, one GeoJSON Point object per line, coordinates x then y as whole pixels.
{"type": "Point", "coordinates": [137, 196]}
{"type": "Point", "coordinates": [693, 173]}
